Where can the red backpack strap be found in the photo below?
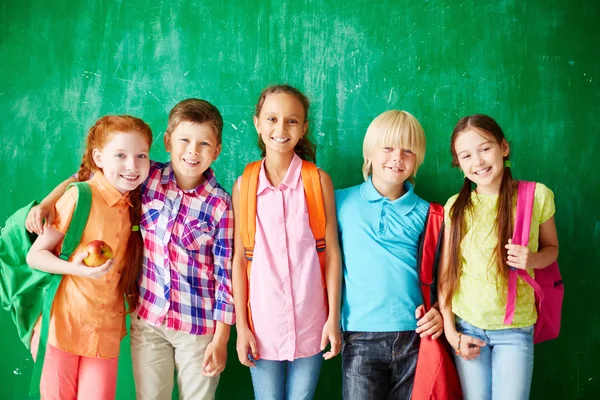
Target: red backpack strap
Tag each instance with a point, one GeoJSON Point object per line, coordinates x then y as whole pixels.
{"type": "Point", "coordinates": [316, 209]}
{"type": "Point", "coordinates": [525, 199]}
{"type": "Point", "coordinates": [430, 243]}
{"type": "Point", "coordinates": [247, 219]}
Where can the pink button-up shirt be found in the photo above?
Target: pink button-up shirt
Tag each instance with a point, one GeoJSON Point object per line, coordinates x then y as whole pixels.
{"type": "Point", "coordinates": [286, 293]}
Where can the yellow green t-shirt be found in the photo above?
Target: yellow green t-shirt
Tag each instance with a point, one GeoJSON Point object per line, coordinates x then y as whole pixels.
{"type": "Point", "coordinates": [478, 300]}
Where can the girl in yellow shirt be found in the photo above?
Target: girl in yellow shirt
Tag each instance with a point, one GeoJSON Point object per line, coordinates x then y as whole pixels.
{"type": "Point", "coordinates": [494, 361]}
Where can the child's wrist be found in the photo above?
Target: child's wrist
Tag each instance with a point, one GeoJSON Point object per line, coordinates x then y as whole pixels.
{"type": "Point", "coordinates": [334, 317]}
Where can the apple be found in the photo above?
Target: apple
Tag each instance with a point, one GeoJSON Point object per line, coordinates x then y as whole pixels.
{"type": "Point", "coordinates": [98, 253]}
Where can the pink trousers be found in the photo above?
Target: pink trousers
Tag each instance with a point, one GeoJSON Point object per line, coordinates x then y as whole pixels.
{"type": "Point", "coordinates": [67, 376]}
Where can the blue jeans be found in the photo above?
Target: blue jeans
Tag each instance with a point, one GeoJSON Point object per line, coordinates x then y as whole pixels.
{"type": "Point", "coordinates": [271, 381]}
{"type": "Point", "coordinates": [379, 365]}
{"type": "Point", "coordinates": [504, 367]}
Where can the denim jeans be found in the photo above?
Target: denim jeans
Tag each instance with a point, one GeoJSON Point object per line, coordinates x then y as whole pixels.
{"type": "Point", "coordinates": [379, 365]}
{"type": "Point", "coordinates": [504, 368]}
{"type": "Point", "coordinates": [286, 380]}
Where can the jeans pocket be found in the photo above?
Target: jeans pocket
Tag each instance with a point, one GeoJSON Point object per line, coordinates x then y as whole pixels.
{"type": "Point", "coordinates": [350, 336]}
{"type": "Point", "coordinates": [461, 324]}
{"type": "Point", "coordinates": [526, 329]}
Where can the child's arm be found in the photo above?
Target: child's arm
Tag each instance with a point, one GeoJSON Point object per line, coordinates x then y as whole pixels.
{"type": "Point", "coordinates": [246, 343]}
{"type": "Point", "coordinates": [333, 271]}
{"type": "Point", "coordinates": [520, 256]}
{"type": "Point", "coordinates": [469, 346]}
{"type": "Point", "coordinates": [45, 210]}
{"type": "Point", "coordinates": [41, 257]}
{"type": "Point", "coordinates": [215, 355]}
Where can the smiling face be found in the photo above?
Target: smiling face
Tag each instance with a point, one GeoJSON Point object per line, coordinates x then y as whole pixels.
{"type": "Point", "coordinates": [481, 158]}
{"type": "Point", "coordinates": [391, 166]}
{"type": "Point", "coordinates": [281, 122]}
{"type": "Point", "coordinates": [124, 160]}
{"type": "Point", "coordinates": [193, 148]}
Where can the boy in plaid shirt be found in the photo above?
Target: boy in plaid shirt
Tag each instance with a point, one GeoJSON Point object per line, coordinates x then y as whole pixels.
{"type": "Point", "coordinates": [186, 306]}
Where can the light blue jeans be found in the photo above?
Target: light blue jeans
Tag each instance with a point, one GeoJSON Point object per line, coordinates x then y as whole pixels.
{"type": "Point", "coordinates": [504, 368]}
{"type": "Point", "coordinates": [271, 381]}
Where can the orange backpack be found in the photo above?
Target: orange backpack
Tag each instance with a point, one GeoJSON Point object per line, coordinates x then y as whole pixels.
{"type": "Point", "coordinates": [247, 217]}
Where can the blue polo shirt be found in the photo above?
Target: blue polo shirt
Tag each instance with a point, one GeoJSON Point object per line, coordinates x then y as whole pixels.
{"type": "Point", "coordinates": [379, 241]}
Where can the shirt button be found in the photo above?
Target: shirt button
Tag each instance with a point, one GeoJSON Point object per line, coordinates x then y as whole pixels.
{"type": "Point", "coordinates": [117, 235]}
{"type": "Point", "coordinates": [103, 306]}
{"type": "Point", "coordinates": [283, 250]}
{"type": "Point", "coordinates": [292, 337]}
{"type": "Point", "coordinates": [281, 220]}
{"type": "Point", "coordinates": [120, 211]}
{"type": "Point", "coordinates": [97, 329]}
{"type": "Point", "coordinates": [290, 309]}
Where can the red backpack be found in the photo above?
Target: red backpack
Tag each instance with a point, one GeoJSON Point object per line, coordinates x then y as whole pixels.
{"type": "Point", "coordinates": [548, 284]}
{"type": "Point", "coordinates": [436, 377]}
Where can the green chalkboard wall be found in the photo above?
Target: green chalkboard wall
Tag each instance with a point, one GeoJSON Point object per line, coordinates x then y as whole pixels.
{"type": "Point", "coordinates": [533, 65]}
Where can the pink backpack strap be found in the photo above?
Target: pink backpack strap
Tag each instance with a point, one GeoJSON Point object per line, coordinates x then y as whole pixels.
{"type": "Point", "coordinates": [525, 197]}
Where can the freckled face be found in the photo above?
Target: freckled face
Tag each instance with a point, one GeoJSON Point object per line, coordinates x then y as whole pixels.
{"type": "Point", "coordinates": [124, 160]}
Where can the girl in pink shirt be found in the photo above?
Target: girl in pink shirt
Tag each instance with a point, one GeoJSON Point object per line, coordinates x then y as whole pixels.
{"type": "Point", "coordinates": [284, 338]}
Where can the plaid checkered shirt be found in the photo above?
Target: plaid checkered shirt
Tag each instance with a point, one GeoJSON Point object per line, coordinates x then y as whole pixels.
{"type": "Point", "coordinates": [188, 237]}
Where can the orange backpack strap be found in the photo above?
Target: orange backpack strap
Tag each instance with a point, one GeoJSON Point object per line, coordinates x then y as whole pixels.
{"type": "Point", "coordinates": [316, 210]}
{"type": "Point", "coordinates": [247, 219]}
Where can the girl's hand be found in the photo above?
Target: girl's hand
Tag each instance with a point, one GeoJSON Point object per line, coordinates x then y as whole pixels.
{"type": "Point", "coordinates": [35, 219]}
{"type": "Point", "coordinates": [245, 345]}
{"type": "Point", "coordinates": [430, 324]}
{"type": "Point", "coordinates": [332, 334]}
{"type": "Point", "coordinates": [470, 347]}
{"type": "Point", "coordinates": [518, 256]}
{"type": "Point", "coordinates": [89, 272]}
{"type": "Point", "coordinates": [215, 358]}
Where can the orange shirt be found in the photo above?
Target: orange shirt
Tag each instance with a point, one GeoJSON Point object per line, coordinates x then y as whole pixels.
{"type": "Point", "coordinates": [88, 315]}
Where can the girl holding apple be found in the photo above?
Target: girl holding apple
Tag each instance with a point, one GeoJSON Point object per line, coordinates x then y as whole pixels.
{"type": "Point", "coordinates": [87, 320]}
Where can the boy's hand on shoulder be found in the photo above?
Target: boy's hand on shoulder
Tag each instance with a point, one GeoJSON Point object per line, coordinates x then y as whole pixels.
{"type": "Point", "coordinates": [215, 358]}
{"type": "Point", "coordinates": [430, 323]}
{"type": "Point", "coordinates": [332, 334]}
{"type": "Point", "coordinates": [36, 217]}
{"type": "Point", "coordinates": [245, 345]}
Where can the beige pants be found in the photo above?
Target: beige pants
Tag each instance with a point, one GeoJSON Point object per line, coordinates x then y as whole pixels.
{"type": "Point", "coordinates": [156, 352]}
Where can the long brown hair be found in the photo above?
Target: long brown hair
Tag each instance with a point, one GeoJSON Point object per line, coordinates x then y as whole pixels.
{"type": "Point", "coordinates": [504, 217]}
{"type": "Point", "coordinates": [98, 136]}
{"type": "Point", "coordinates": [305, 148]}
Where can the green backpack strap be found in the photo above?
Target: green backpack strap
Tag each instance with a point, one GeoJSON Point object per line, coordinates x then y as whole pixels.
{"type": "Point", "coordinates": [71, 240]}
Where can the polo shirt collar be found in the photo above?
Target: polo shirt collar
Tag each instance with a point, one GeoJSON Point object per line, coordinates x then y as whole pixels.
{"type": "Point", "coordinates": [110, 194]}
{"type": "Point", "coordinates": [291, 179]}
{"type": "Point", "coordinates": [404, 204]}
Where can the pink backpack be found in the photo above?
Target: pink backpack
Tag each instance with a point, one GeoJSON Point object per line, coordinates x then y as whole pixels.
{"type": "Point", "coordinates": [548, 284]}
